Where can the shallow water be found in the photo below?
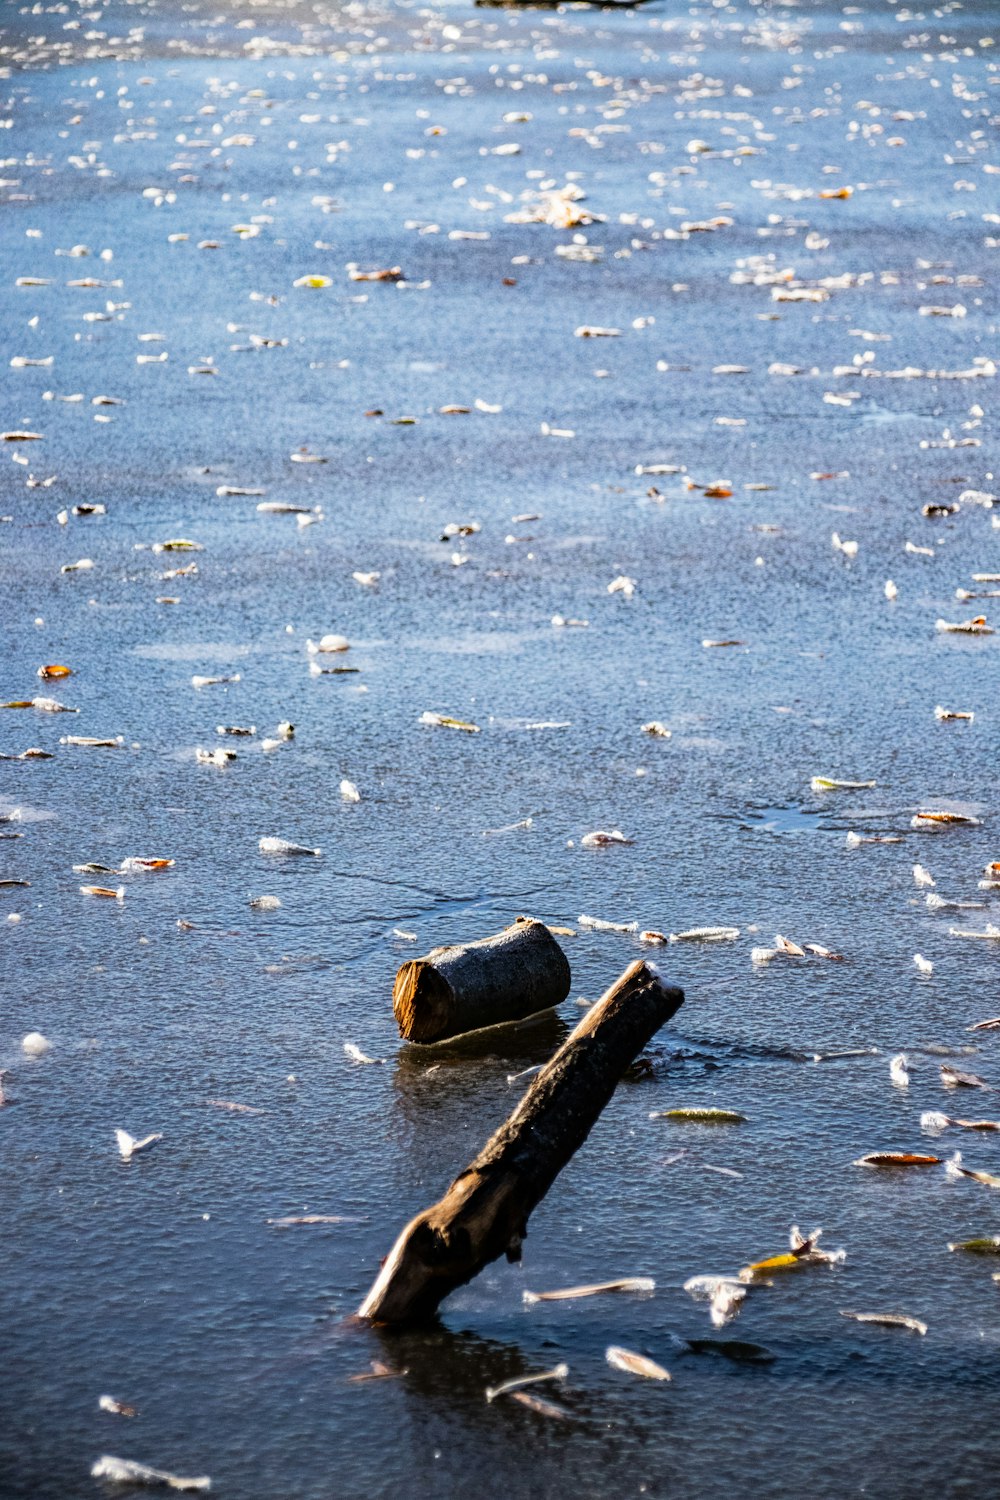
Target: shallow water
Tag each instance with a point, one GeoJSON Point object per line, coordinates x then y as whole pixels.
{"type": "Point", "coordinates": [160, 1280]}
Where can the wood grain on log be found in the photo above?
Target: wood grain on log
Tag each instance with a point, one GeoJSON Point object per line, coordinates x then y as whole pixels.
{"type": "Point", "coordinates": [513, 974]}
{"type": "Point", "coordinates": [484, 1213]}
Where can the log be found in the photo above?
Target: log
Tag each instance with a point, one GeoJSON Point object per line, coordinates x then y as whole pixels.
{"type": "Point", "coordinates": [513, 974]}
{"type": "Point", "coordinates": [484, 1213]}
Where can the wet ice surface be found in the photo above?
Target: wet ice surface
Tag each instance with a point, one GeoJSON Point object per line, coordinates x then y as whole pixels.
{"type": "Point", "coordinates": [159, 1279]}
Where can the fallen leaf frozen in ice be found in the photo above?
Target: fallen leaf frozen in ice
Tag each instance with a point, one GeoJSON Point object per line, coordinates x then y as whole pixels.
{"type": "Point", "coordinates": [896, 1159]}
{"type": "Point", "coordinates": [976, 626]}
{"type": "Point", "coordinates": [934, 1122]}
{"type": "Point", "coordinates": [543, 1408]}
{"type": "Point", "coordinates": [293, 1219]}
{"type": "Point", "coordinates": [939, 903]}
{"type": "Point", "coordinates": [389, 273]}
{"type": "Point", "coordinates": [635, 1364]}
{"type": "Point", "coordinates": [217, 757]}
{"type": "Point", "coordinates": [987, 1246]}
{"type": "Point", "coordinates": [943, 820]}
{"type": "Point", "coordinates": [849, 549]}
{"type": "Point", "coordinates": [898, 1071]}
{"type": "Point", "coordinates": [356, 1055]}
{"type": "Point", "coordinates": [271, 845]}
{"type": "Point", "coordinates": [803, 1251]}
{"type": "Point", "coordinates": [706, 935]}
{"type": "Point", "coordinates": [118, 1408]}
{"type": "Point", "coordinates": [954, 1169]}
{"type": "Point", "coordinates": [571, 1293]}
{"type": "Point", "coordinates": [315, 670]}
{"type": "Point", "coordinates": [954, 1078]}
{"type": "Point", "coordinates": [442, 721]}
{"type": "Point", "coordinates": [888, 1320]}
{"type": "Point", "coordinates": [283, 508]}
{"type": "Point", "coordinates": [622, 585]}
{"type": "Point", "coordinates": [602, 837]}
{"type": "Point", "coordinates": [128, 1146]}
{"type": "Point", "coordinates": [328, 643]}
{"type": "Point", "coordinates": [990, 934]}
{"type": "Point", "coordinates": [597, 924]}
{"type": "Point", "coordinates": [558, 1373]}
{"type": "Point", "coordinates": [705, 1116]}
{"type": "Point", "coordinates": [127, 1471]}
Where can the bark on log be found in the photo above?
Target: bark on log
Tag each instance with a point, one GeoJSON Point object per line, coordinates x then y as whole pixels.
{"type": "Point", "coordinates": [484, 1213]}
{"type": "Point", "coordinates": [513, 974]}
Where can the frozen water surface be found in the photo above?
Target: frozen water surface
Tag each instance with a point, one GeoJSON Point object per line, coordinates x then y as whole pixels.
{"type": "Point", "coordinates": [159, 1280]}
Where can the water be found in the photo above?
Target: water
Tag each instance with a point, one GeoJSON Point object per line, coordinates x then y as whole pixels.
{"type": "Point", "coordinates": [160, 1280]}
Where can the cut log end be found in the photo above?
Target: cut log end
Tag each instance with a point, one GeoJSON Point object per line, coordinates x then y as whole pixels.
{"type": "Point", "coordinates": [466, 987]}
{"type": "Point", "coordinates": [422, 1001]}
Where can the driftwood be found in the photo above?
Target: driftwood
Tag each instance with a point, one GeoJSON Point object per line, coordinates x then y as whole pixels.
{"type": "Point", "coordinates": [484, 1213]}
{"type": "Point", "coordinates": [515, 973]}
